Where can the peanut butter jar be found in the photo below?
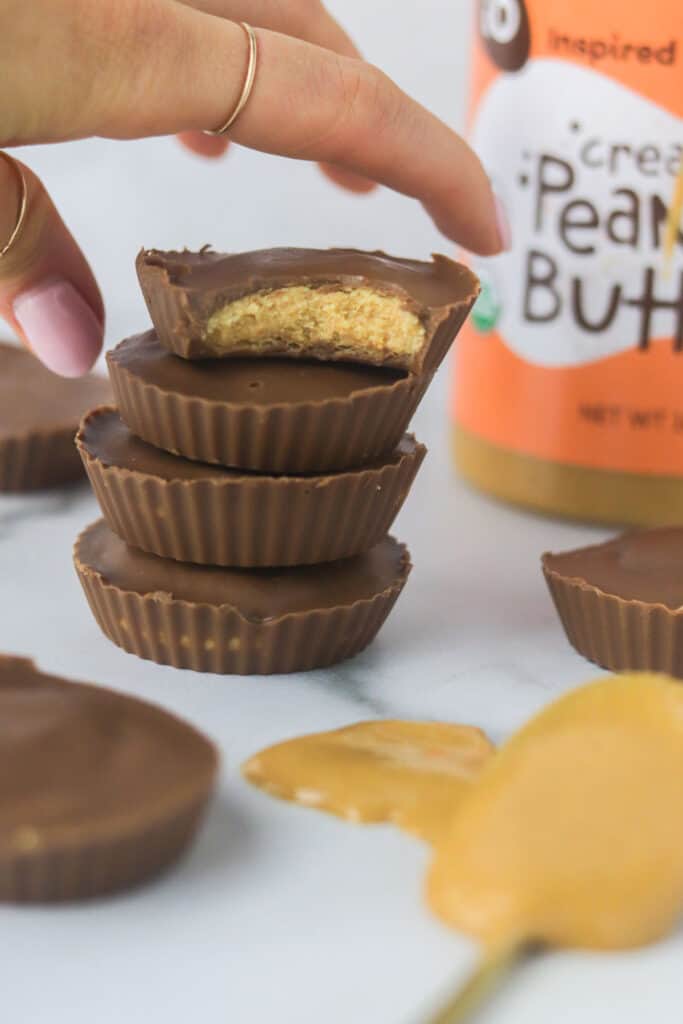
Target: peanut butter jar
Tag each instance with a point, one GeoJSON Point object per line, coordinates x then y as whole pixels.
{"type": "Point", "coordinates": [569, 374]}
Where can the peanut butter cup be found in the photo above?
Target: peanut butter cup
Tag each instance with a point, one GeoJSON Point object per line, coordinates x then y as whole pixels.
{"type": "Point", "coordinates": [242, 621]}
{"type": "Point", "coordinates": [621, 603]}
{"type": "Point", "coordinates": [98, 791]}
{"type": "Point", "coordinates": [39, 415]}
{"type": "Point", "coordinates": [195, 512]}
{"type": "Point", "coordinates": [329, 304]}
{"type": "Point", "coordinates": [264, 415]}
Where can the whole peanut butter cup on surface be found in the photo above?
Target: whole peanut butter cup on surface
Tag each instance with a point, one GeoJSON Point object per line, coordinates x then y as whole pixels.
{"type": "Point", "coordinates": [621, 602]}
{"type": "Point", "coordinates": [39, 415]}
{"type": "Point", "coordinates": [254, 621]}
{"type": "Point", "coordinates": [98, 791]}
{"type": "Point", "coordinates": [195, 512]}
{"type": "Point", "coordinates": [264, 415]}
{"type": "Point", "coordinates": [328, 304]}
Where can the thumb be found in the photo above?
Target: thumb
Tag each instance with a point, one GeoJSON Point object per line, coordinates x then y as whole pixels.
{"type": "Point", "coordinates": [47, 291]}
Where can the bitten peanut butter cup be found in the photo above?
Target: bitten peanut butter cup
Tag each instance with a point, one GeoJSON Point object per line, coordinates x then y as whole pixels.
{"type": "Point", "coordinates": [621, 603]}
{"type": "Point", "coordinates": [39, 415]}
{"type": "Point", "coordinates": [263, 415]}
{"type": "Point", "coordinates": [329, 304]}
{"type": "Point", "coordinates": [98, 791]}
{"type": "Point", "coordinates": [195, 512]}
{"type": "Point", "coordinates": [255, 621]}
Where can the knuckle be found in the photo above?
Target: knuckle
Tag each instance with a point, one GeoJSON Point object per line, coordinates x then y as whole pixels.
{"type": "Point", "coordinates": [346, 85]}
{"type": "Point", "coordinates": [381, 102]}
{"type": "Point", "coordinates": [133, 38]}
{"type": "Point", "coordinates": [323, 81]}
{"type": "Point", "coordinates": [106, 27]}
{"type": "Point", "coordinates": [368, 106]}
{"type": "Point", "coordinates": [133, 30]}
{"type": "Point", "coordinates": [126, 22]}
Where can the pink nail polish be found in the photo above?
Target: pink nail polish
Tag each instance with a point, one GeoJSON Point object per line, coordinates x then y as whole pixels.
{"type": "Point", "coordinates": [503, 223]}
{"type": "Point", "coordinates": [60, 327]}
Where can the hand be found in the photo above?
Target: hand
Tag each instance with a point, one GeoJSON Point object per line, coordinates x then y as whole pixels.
{"type": "Point", "coordinates": [132, 68]}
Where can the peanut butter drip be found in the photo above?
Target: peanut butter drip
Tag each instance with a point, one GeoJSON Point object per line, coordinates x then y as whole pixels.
{"type": "Point", "coordinates": [413, 774]}
{"type": "Point", "coordinates": [573, 835]}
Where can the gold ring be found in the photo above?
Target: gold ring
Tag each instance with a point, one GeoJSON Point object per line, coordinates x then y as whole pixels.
{"type": "Point", "coordinates": [23, 203]}
{"type": "Point", "coordinates": [247, 86]}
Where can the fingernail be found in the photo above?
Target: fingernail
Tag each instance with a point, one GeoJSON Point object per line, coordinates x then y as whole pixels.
{"type": "Point", "coordinates": [502, 223]}
{"type": "Point", "coordinates": [61, 328]}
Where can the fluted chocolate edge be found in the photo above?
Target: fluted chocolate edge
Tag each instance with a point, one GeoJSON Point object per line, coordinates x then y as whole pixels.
{"type": "Point", "coordinates": [39, 460]}
{"type": "Point", "coordinates": [211, 638]}
{"type": "Point", "coordinates": [445, 334]}
{"type": "Point", "coordinates": [60, 871]}
{"type": "Point", "coordinates": [252, 521]}
{"type": "Point", "coordinates": [307, 437]}
{"type": "Point", "coordinates": [615, 633]}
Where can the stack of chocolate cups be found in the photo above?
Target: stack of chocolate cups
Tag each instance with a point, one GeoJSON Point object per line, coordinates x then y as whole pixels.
{"type": "Point", "coordinates": [247, 494]}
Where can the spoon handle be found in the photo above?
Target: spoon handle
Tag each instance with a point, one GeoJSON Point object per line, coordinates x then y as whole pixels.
{"type": "Point", "coordinates": [490, 971]}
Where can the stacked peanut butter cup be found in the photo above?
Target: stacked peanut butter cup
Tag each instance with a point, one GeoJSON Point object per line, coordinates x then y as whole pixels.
{"type": "Point", "coordinates": [258, 456]}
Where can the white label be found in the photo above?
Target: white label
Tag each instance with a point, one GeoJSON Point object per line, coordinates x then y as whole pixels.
{"type": "Point", "coordinates": [586, 168]}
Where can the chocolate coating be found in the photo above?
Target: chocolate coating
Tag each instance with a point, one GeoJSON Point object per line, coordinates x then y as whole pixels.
{"type": "Point", "coordinates": [644, 566]}
{"type": "Point", "coordinates": [621, 603]}
{"type": "Point", "coordinates": [255, 621]}
{"type": "Point", "coordinates": [32, 398]}
{"type": "Point", "coordinates": [234, 275]}
{"type": "Point", "coordinates": [183, 289]}
{"type": "Point", "coordinates": [106, 437]}
{"type": "Point", "coordinates": [258, 595]}
{"type": "Point", "coordinates": [264, 415]}
{"type": "Point", "coordinates": [251, 382]}
{"type": "Point", "coordinates": [194, 512]}
{"type": "Point", "coordinates": [97, 789]}
{"type": "Point", "coordinates": [39, 414]}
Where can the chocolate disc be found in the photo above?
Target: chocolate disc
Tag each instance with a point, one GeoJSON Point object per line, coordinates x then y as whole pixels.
{"type": "Point", "coordinates": [195, 512]}
{"type": "Point", "coordinates": [39, 415]}
{"type": "Point", "coordinates": [214, 619]}
{"type": "Point", "coordinates": [330, 304]}
{"type": "Point", "coordinates": [621, 602]}
{"type": "Point", "coordinates": [264, 415]}
{"type": "Point", "coordinates": [98, 791]}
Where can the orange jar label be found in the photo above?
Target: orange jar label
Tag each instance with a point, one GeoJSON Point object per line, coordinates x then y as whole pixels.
{"type": "Point", "coordinates": [574, 351]}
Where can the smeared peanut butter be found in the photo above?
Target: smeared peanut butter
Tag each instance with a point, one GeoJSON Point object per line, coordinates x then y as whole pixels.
{"type": "Point", "coordinates": [413, 774]}
{"type": "Point", "coordinates": [347, 322]}
{"type": "Point", "coordinates": [573, 835]}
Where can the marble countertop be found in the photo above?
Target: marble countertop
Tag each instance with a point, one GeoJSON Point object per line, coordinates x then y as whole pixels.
{"type": "Point", "coordinates": [284, 914]}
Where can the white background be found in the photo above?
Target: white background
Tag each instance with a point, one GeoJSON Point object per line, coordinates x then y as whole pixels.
{"type": "Point", "coordinates": [281, 914]}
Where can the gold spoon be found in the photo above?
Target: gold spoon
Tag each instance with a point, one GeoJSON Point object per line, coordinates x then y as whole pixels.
{"type": "Point", "coordinates": [572, 833]}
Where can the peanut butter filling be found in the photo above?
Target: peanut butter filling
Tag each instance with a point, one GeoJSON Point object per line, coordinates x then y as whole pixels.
{"type": "Point", "coordinates": [412, 774]}
{"type": "Point", "coordinates": [359, 323]}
